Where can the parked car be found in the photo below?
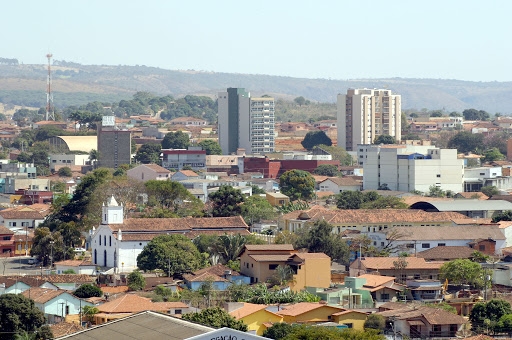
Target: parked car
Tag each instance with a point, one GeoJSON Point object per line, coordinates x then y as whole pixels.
{"type": "Point", "coordinates": [32, 260]}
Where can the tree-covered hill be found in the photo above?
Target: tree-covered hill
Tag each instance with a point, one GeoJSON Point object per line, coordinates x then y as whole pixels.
{"type": "Point", "coordinates": [76, 84]}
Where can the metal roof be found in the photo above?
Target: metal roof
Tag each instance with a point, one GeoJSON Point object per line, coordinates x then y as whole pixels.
{"type": "Point", "coordinates": [464, 205]}
{"type": "Point", "coordinates": [144, 325]}
{"type": "Point", "coordinates": [76, 143]}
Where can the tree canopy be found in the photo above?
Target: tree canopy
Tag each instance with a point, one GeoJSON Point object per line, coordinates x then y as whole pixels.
{"type": "Point", "coordinates": [174, 254]}
{"type": "Point", "coordinates": [176, 140]}
{"type": "Point", "coordinates": [216, 317]}
{"type": "Point", "coordinates": [135, 280]}
{"type": "Point", "coordinates": [297, 184]}
{"type": "Point", "coordinates": [227, 201]}
{"type": "Point", "coordinates": [330, 170]}
{"type": "Point", "coordinates": [211, 147]}
{"type": "Point", "coordinates": [314, 138]}
{"type": "Point", "coordinates": [473, 114]}
{"type": "Point", "coordinates": [466, 141]}
{"type": "Point", "coordinates": [19, 314]}
{"type": "Point", "coordinates": [503, 216]}
{"type": "Point", "coordinates": [148, 153]}
{"type": "Point", "coordinates": [86, 291]}
{"type": "Point", "coordinates": [384, 139]}
{"type": "Point", "coordinates": [173, 197]}
{"type": "Point", "coordinates": [319, 239]}
{"type": "Point", "coordinates": [257, 208]}
{"type": "Point", "coordinates": [462, 271]}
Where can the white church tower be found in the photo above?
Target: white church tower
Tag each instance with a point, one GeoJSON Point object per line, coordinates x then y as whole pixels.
{"type": "Point", "coordinates": [112, 212]}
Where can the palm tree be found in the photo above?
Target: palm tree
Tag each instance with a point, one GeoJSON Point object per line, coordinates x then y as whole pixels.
{"type": "Point", "coordinates": [229, 246]}
{"type": "Point", "coordinates": [25, 336]}
{"type": "Point", "coordinates": [89, 312]}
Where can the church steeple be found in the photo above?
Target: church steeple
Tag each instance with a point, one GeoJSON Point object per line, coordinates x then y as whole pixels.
{"type": "Point", "coordinates": [112, 212]}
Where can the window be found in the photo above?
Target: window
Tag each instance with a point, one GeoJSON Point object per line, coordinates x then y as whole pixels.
{"type": "Point", "coordinates": [409, 245]}
{"type": "Point", "coordinates": [105, 241]}
{"type": "Point", "coordinates": [438, 175]}
{"type": "Point", "coordinates": [272, 266]}
{"type": "Point", "coordinates": [12, 224]}
{"type": "Point", "coordinates": [247, 265]}
{"type": "Point", "coordinates": [110, 241]}
{"type": "Point", "coordinates": [178, 311]}
{"type": "Point", "coordinates": [67, 310]}
{"type": "Point", "coordinates": [417, 276]}
{"type": "Point", "coordinates": [441, 244]}
{"type": "Point", "coordinates": [425, 245]}
{"type": "Point", "coordinates": [100, 240]}
{"type": "Point", "coordinates": [349, 325]}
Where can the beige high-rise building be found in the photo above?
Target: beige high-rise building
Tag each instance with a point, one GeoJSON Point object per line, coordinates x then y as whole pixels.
{"type": "Point", "coordinates": [364, 114]}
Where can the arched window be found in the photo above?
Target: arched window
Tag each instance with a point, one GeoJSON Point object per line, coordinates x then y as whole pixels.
{"type": "Point", "coordinates": [105, 258]}
{"type": "Point", "coordinates": [95, 256]}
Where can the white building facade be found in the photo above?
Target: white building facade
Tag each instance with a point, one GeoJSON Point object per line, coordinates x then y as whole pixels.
{"type": "Point", "coordinates": [411, 168]}
{"type": "Point", "coordinates": [364, 114]}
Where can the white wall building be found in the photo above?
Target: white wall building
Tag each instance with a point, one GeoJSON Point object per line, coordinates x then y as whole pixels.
{"type": "Point", "coordinates": [408, 168]}
{"type": "Point", "coordinates": [146, 172]}
{"type": "Point", "coordinates": [364, 114]}
{"type": "Point", "coordinates": [68, 160]}
{"type": "Point", "coordinates": [245, 122]}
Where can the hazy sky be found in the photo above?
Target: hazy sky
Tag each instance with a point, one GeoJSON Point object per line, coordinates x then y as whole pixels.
{"type": "Point", "coordinates": [338, 39]}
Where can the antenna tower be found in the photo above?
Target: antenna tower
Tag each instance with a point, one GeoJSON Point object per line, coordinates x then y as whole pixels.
{"type": "Point", "coordinates": [50, 114]}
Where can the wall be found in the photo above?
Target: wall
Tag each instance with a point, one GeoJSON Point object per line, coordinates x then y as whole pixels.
{"type": "Point", "coordinates": [256, 320]}
{"type": "Point", "coordinates": [315, 272]}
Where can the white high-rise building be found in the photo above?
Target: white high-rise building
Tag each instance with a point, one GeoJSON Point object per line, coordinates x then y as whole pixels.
{"type": "Point", "coordinates": [364, 114]}
{"type": "Point", "coordinates": [245, 122]}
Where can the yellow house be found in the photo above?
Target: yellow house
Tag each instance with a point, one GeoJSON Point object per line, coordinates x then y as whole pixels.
{"type": "Point", "coordinates": [260, 262]}
{"type": "Point", "coordinates": [308, 312]}
{"type": "Point", "coordinates": [351, 318]}
{"type": "Point", "coordinates": [255, 316]}
{"type": "Point", "coordinates": [277, 199]}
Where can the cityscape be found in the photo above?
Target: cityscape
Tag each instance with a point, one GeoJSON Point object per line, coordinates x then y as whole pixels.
{"type": "Point", "coordinates": [279, 170]}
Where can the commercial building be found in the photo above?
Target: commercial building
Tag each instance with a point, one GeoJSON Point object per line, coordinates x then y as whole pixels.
{"type": "Point", "coordinates": [410, 167]}
{"type": "Point", "coordinates": [245, 122]}
{"type": "Point", "coordinates": [176, 159]}
{"type": "Point", "coordinates": [364, 114]}
{"type": "Point", "coordinates": [114, 144]}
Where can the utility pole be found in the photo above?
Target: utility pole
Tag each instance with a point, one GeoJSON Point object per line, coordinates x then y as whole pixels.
{"type": "Point", "coordinates": [51, 255]}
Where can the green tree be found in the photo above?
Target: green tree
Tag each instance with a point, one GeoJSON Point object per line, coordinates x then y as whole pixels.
{"type": "Point", "coordinates": [384, 139]}
{"type": "Point", "coordinates": [297, 184]}
{"type": "Point", "coordinates": [461, 271]}
{"type": "Point", "coordinates": [472, 114]}
{"type": "Point", "coordinates": [282, 275]}
{"type": "Point", "coordinates": [435, 191]}
{"type": "Point", "coordinates": [375, 321]}
{"type": "Point", "coordinates": [330, 170]}
{"type": "Point", "coordinates": [19, 314]}
{"type": "Point", "coordinates": [320, 239]}
{"type": "Point", "coordinates": [211, 147]}
{"type": "Point", "coordinates": [86, 291]}
{"type": "Point", "coordinates": [174, 254]}
{"type": "Point", "coordinates": [174, 197]}
{"type": "Point", "coordinates": [314, 138]}
{"type": "Point", "coordinates": [304, 332]}
{"type": "Point", "coordinates": [135, 280]}
{"type": "Point", "coordinates": [489, 190]}
{"type": "Point", "coordinates": [227, 201]}
{"type": "Point", "coordinates": [65, 172]}
{"type": "Point", "coordinates": [256, 190]}
{"type": "Point", "coordinates": [229, 247]}
{"type": "Point", "coordinates": [148, 153]}
{"type": "Point", "coordinates": [49, 247]}
{"type": "Point", "coordinates": [89, 312]}
{"type": "Point", "coordinates": [215, 317]}
{"type": "Point", "coordinates": [176, 140]}
{"type": "Point", "coordinates": [444, 306]}
{"type": "Point", "coordinates": [278, 330]}
{"type": "Point", "coordinates": [337, 153]}
{"type": "Point", "coordinates": [300, 100]}
{"type": "Point", "coordinates": [503, 216]}
{"type": "Point", "coordinates": [488, 314]}
{"type": "Point", "coordinates": [385, 202]}
{"type": "Point", "coordinates": [465, 142]}
{"type": "Point", "coordinates": [492, 155]}
{"type": "Point", "coordinates": [257, 208]}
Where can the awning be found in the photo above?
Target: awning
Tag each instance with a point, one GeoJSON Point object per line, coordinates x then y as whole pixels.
{"type": "Point", "coordinates": [416, 323]}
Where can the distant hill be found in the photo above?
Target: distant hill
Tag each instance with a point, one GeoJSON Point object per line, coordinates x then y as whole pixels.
{"type": "Point", "coordinates": [76, 84]}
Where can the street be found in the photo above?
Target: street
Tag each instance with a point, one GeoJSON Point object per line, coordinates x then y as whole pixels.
{"type": "Point", "coordinates": [19, 266]}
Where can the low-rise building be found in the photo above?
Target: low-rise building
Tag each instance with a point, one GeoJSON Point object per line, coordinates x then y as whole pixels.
{"type": "Point", "coordinates": [416, 268]}
{"type": "Point", "coordinates": [69, 160]}
{"type": "Point", "coordinates": [340, 184]}
{"type": "Point", "coordinates": [255, 316]}
{"type": "Point", "coordinates": [146, 172]}
{"type": "Point", "coordinates": [176, 159]}
{"type": "Point", "coordinates": [221, 276]}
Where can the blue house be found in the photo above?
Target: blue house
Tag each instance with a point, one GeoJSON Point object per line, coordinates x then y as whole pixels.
{"type": "Point", "coordinates": [221, 276]}
{"type": "Point", "coordinates": [12, 286]}
{"type": "Point", "coordinates": [55, 304]}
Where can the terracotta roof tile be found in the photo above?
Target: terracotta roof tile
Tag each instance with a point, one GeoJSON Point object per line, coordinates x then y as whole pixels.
{"type": "Point", "coordinates": [304, 307]}
{"type": "Point", "coordinates": [5, 231]}
{"type": "Point", "coordinates": [376, 280]}
{"type": "Point", "coordinates": [434, 316]}
{"type": "Point", "coordinates": [218, 269]}
{"type": "Point", "coordinates": [269, 247]}
{"type": "Point", "coordinates": [42, 295]}
{"type": "Point", "coordinates": [157, 168]}
{"type": "Point", "coordinates": [24, 213]}
{"type": "Point", "coordinates": [472, 195]}
{"type": "Point", "coordinates": [344, 181]}
{"type": "Point", "coordinates": [114, 290]}
{"type": "Point", "coordinates": [304, 256]}
{"type": "Point", "coordinates": [189, 173]}
{"type": "Point", "coordinates": [204, 277]}
{"type": "Point", "coordinates": [132, 303]}
{"type": "Point", "coordinates": [379, 263]}
{"type": "Point", "coordinates": [247, 309]}
{"type": "Point", "coordinates": [446, 253]}
{"type": "Point", "coordinates": [74, 263]}
{"type": "Point", "coordinates": [64, 328]}
{"type": "Point", "coordinates": [270, 258]}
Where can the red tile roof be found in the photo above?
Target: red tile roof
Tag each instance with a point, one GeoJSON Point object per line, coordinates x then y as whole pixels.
{"type": "Point", "coordinates": [247, 309]}
{"type": "Point", "coordinates": [42, 295]}
{"type": "Point", "coordinates": [269, 247]}
{"type": "Point", "coordinates": [380, 263]}
{"type": "Point", "coordinates": [446, 253]}
{"type": "Point", "coordinates": [132, 303]}
{"type": "Point", "coordinates": [304, 307]}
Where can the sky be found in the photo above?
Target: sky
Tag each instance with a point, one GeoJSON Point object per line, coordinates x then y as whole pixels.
{"type": "Point", "coordinates": [335, 39]}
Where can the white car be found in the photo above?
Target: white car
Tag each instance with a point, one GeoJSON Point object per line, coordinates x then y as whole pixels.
{"type": "Point", "coordinates": [32, 260]}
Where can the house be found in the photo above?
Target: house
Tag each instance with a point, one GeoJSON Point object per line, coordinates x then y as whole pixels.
{"type": "Point", "coordinates": [56, 304]}
{"type": "Point", "coordinates": [308, 312]}
{"type": "Point", "coordinates": [22, 217]}
{"type": "Point", "coordinates": [487, 239]}
{"type": "Point", "coordinates": [143, 325]}
{"type": "Point", "coordinates": [78, 266]}
{"type": "Point", "coordinates": [366, 220]}
{"type": "Point", "coordinates": [6, 242]}
{"type": "Point", "coordinates": [129, 304]}
{"type": "Point", "coordinates": [221, 275]}
{"type": "Point", "coordinates": [117, 241]}
{"type": "Point", "coordinates": [12, 286]}
{"type": "Point", "coordinates": [277, 199]}
{"type": "Point", "coordinates": [188, 121]}
{"type": "Point", "coordinates": [425, 290]}
{"type": "Point", "coordinates": [255, 316]}
{"type": "Point", "coordinates": [424, 322]}
{"type": "Point", "coordinates": [146, 172]}
{"type": "Point", "coordinates": [339, 184]}
{"type": "Point", "coordinates": [184, 175]}
{"type": "Point", "coordinates": [68, 160]}
{"type": "Point", "coordinates": [64, 328]}
{"type": "Point", "coordinates": [259, 262]}
{"type": "Point", "coordinates": [446, 253]}
{"type": "Point", "coordinates": [350, 318]}
{"type": "Point", "coordinates": [417, 268]}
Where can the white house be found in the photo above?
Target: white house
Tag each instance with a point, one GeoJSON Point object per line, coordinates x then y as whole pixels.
{"type": "Point", "coordinates": [24, 217]}
{"type": "Point", "coordinates": [414, 239]}
{"type": "Point", "coordinates": [184, 175]}
{"type": "Point", "coordinates": [339, 184]}
{"type": "Point", "coordinates": [117, 242]}
{"type": "Point", "coordinates": [146, 172]}
{"type": "Point", "coordinates": [85, 267]}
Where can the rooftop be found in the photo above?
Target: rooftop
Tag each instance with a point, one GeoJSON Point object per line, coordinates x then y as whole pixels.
{"type": "Point", "coordinates": [446, 253]}
{"type": "Point", "coordinates": [132, 303]}
{"type": "Point", "coordinates": [380, 263]}
{"type": "Point", "coordinates": [42, 295]}
{"type": "Point", "coordinates": [304, 307]}
{"type": "Point", "coordinates": [464, 232]}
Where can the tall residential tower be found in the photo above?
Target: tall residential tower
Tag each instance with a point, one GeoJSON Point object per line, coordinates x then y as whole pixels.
{"type": "Point", "coordinates": [364, 114]}
{"type": "Point", "coordinates": [245, 122]}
